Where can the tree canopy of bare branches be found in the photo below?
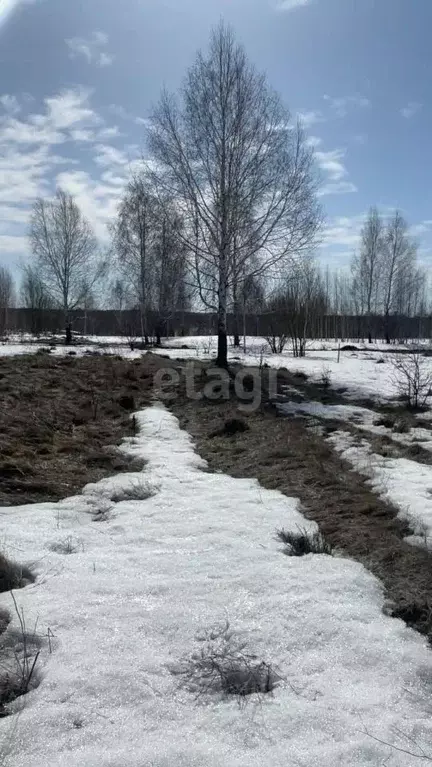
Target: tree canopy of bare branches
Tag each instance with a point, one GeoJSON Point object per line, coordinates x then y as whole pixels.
{"type": "Point", "coordinates": [65, 251]}
{"type": "Point", "coordinates": [150, 252]}
{"type": "Point", "coordinates": [240, 172]}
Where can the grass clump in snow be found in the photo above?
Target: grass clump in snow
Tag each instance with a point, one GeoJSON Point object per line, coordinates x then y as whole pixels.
{"type": "Point", "coordinates": [223, 665]}
{"type": "Point", "coordinates": [68, 545]}
{"type": "Point", "coordinates": [138, 491]}
{"type": "Point", "coordinates": [302, 542]}
{"type": "Point", "coordinates": [19, 656]}
{"type": "Point", "coordinates": [13, 575]}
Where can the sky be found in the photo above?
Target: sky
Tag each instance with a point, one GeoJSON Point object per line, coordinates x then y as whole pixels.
{"type": "Point", "coordinates": [78, 80]}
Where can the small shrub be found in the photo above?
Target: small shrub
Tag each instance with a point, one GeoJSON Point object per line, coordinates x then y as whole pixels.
{"type": "Point", "coordinates": [386, 420]}
{"type": "Point", "coordinates": [68, 545]}
{"type": "Point", "coordinates": [412, 376]}
{"type": "Point", "coordinates": [5, 619]}
{"type": "Point", "coordinates": [138, 491]}
{"type": "Point", "coordinates": [102, 512]}
{"type": "Point", "coordinates": [231, 427]}
{"type": "Point", "coordinates": [325, 378]}
{"type": "Point", "coordinates": [303, 542]}
{"type": "Point", "coordinates": [277, 342]}
{"type": "Point", "coordinates": [401, 426]}
{"type": "Point", "coordinates": [13, 575]}
{"type": "Point", "coordinates": [222, 665]}
{"type": "Point", "coordinates": [301, 375]}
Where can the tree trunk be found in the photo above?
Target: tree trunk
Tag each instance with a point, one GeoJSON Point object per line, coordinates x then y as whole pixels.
{"type": "Point", "coordinates": [236, 315]}
{"type": "Point", "coordinates": [222, 353]}
{"type": "Point", "coordinates": [68, 333]}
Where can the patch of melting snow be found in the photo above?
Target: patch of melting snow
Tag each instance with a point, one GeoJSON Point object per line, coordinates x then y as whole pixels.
{"type": "Point", "coordinates": [147, 582]}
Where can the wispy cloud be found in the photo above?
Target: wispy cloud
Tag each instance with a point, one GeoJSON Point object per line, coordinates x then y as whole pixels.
{"type": "Point", "coordinates": [411, 109]}
{"type": "Point", "coordinates": [342, 234]}
{"type": "Point", "coordinates": [10, 104]}
{"type": "Point", "coordinates": [332, 166]}
{"type": "Point", "coordinates": [290, 5]}
{"type": "Point", "coordinates": [341, 105]}
{"type": "Point", "coordinates": [424, 227]}
{"type": "Point", "coordinates": [310, 117]}
{"type": "Point", "coordinates": [91, 49]}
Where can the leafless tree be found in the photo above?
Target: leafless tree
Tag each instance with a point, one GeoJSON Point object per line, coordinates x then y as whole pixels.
{"type": "Point", "coordinates": [7, 293]}
{"type": "Point", "coordinates": [170, 289]}
{"type": "Point", "coordinates": [35, 297]}
{"type": "Point", "coordinates": [366, 266]}
{"type": "Point", "coordinates": [241, 174]}
{"type": "Point", "coordinates": [293, 306]}
{"type": "Point", "coordinates": [33, 292]}
{"type": "Point", "coordinates": [133, 237]}
{"type": "Point", "coordinates": [399, 257]}
{"type": "Point", "coordinates": [66, 252]}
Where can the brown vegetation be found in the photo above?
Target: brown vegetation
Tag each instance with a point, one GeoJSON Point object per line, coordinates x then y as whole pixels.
{"type": "Point", "coordinates": [61, 418]}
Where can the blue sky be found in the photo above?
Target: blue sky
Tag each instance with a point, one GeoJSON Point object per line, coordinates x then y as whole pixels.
{"type": "Point", "coordinates": [77, 80]}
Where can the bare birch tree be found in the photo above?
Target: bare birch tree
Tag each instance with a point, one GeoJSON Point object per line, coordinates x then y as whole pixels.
{"type": "Point", "coordinates": [399, 257]}
{"type": "Point", "coordinates": [366, 266]}
{"type": "Point", "coordinates": [133, 237]}
{"type": "Point", "coordinates": [7, 293]}
{"type": "Point", "coordinates": [66, 252]}
{"type": "Point", "coordinates": [241, 174]}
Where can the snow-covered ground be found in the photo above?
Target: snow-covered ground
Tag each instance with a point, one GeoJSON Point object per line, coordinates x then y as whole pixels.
{"type": "Point", "coordinates": [364, 373]}
{"type": "Point", "coordinates": [128, 604]}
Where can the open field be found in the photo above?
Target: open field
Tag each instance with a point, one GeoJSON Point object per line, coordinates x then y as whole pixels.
{"type": "Point", "coordinates": [170, 620]}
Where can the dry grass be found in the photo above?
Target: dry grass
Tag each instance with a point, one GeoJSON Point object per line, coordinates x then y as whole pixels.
{"type": "Point", "coordinates": [284, 455]}
{"type": "Point", "coordinates": [58, 417]}
{"type": "Point", "coordinates": [222, 664]}
{"type": "Point", "coordinates": [302, 542]}
{"type": "Point", "coordinates": [13, 575]}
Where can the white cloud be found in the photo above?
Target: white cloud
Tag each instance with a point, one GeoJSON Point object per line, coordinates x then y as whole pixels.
{"type": "Point", "coordinates": [331, 163]}
{"type": "Point", "coordinates": [98, 200]}
{"type": "Point", "coordinates": [10, 104]}
{"type": "Point", "coordinates": [123, 114]}
{"type": "Point", "coordinates": [107, 133]}
{"type": "Point", "coordinates": [337, 187]}
{"type": "Point", "coordinates": [107, 156]}
{"type": "Point", "coordinates": [34, 158]}
{"type": "Point", "coordinates": [341, 104]}
{"type": "Point", "coordinates": [91, 49]}
{"type": "Point", "coordinates": [424, 227]}
{"type": "Point", "coordinates": [343, 232]}
{"type": "Point", "coordinates": [70, 109]}
{"type": "Point", "coordinates": [411, 109]}
{"type": "Point", "coordinates": [310, 117]}
{"type": "Point", "coordinates": [290, 5]}
{"type": "Point", "coordinates": [314, 141]}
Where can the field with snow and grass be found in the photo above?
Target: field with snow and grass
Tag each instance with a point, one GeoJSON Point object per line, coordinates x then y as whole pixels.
{"type": "Point", "coordinates": [130, 605]}
{"type": "Point", "coordinates": [172, 614]}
